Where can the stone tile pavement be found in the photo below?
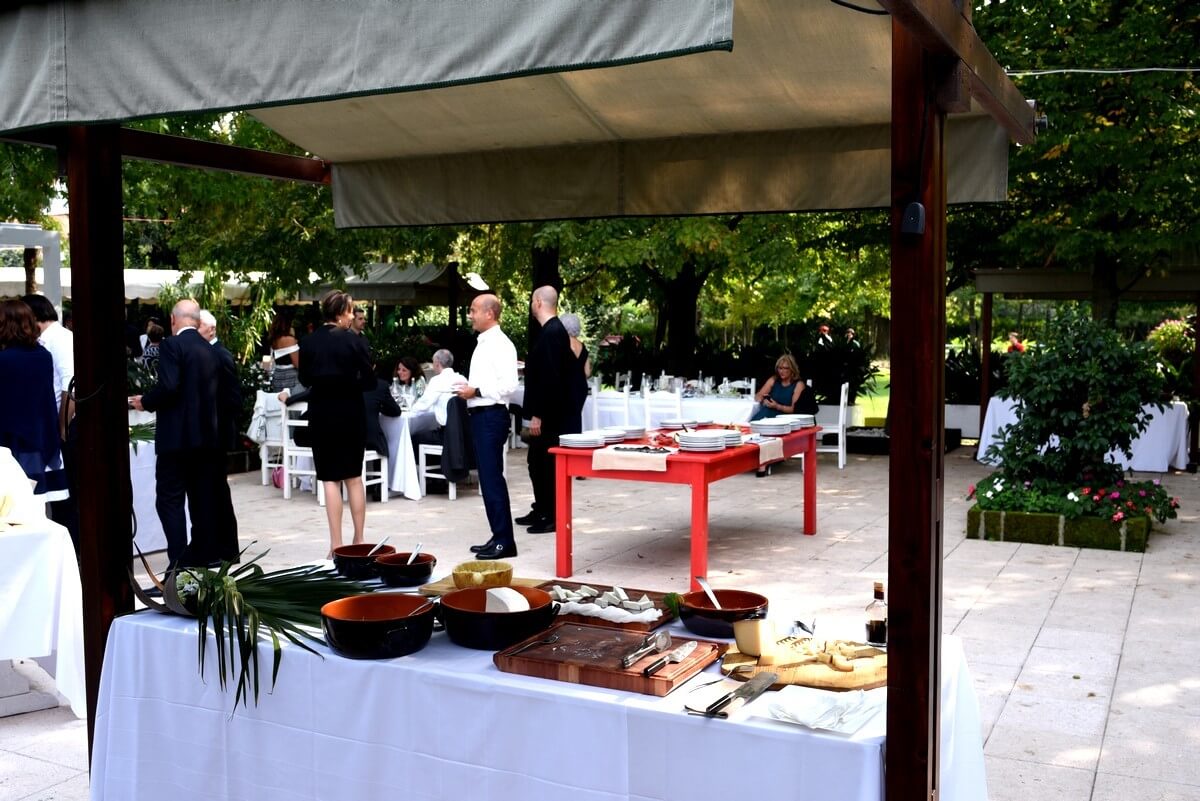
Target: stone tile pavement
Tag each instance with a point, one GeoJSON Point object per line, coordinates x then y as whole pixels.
{"type": "Point", "coordinates": [1087, 663]}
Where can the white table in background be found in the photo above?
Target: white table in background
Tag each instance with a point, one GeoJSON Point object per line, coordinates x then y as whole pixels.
{"type": "Point", "coordinates": [149, 536]}
{"type": "Point", "coordinates": [445, 723]}
{"type": "Point", "coordinates": [402, 456]}
{"type": "Point", "coordinates": [1160, 447]}
{"type": "Point", "coordinates": [41, 604]}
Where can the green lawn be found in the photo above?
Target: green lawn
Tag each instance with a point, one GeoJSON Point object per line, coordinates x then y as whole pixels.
{"type": "Point", "coordinates": [875, 402]}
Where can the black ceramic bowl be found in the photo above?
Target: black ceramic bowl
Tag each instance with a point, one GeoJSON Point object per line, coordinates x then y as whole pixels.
{"type": "Point", "coordinates": [377, 626]}
{"type": "Point", "coordinates": [396, 572]}
{"type": "Point", "coordinates": [352, 560]}
{"type": "Point", "coordinates": [468, 625]}
{"type": "Point", "coordinates": [698, 615]}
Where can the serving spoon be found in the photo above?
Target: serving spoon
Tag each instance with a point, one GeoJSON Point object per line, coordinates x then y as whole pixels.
{"type": "Point", "coordinates": [412, 556]}
{"type": "Point", "coordinates": [712, 596]}
{"type": "Point", "coordinates": [379, 545]}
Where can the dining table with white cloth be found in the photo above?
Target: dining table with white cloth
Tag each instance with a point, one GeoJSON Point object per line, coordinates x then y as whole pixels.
{"type": "Point", "coordinates": [1160, 447]}
{"type": "Point", "coordinates": [148, 534]}
{"type": "Point", "coordinates": [446, 723]}
{"type": "Point", "coordinates": [702, 408]}
{"type": "Point", "coordinates": [41, 604]}
{"type": "Point", "coordinates": [402, 456]}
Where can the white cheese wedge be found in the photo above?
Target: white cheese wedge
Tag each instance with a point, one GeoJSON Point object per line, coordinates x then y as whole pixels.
{"type": "Point", "coordinates": [611, 598]}
{"type": "Point", "coordinates": [632, 606]}
{"type": "Point", "coordinates": [754, 637]}
{"type": "Point", "coordinates": [505, 599]}
{"type": "Point", "coordinates": [590, 592]}
{"type": "Point", "coordinates": [620, 593]}
{"type": "Point", "coordinates": [602, 601]}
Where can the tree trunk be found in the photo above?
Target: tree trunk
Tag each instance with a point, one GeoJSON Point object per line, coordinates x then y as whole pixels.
{"type": "Point", "coordinates": [31, 259]}
{"type": "Point", "coordinates": [1105, 294]}
{"type": "Point", "coordinates": [684, 293]}
{"type": "Point", "coordinates": [544, 272]}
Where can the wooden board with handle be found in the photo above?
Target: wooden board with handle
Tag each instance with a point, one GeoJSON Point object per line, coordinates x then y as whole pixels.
{"type": "Point", "coordinates": [586, 654]}
{"type": "Point", "coordinates": [654, 595]}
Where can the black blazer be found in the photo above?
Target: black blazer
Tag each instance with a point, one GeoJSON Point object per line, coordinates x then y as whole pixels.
{"type": "Point", "coordinates": [548, 375]}
{"type": "Point", "coordinates": [376, 402]}
{"type": "Point", "coordinates": [187, 397]}
{"type": "Point", "coordinates": [230, 397]}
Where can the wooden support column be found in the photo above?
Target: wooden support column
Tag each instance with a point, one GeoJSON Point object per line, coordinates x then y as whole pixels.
{"type": "Point", "coordinates": [1194, 412]}
{"type": "Point", "coordinates": [917, 419]}
{"type": "Point", "coordinates": [452, 302]}
{"type": "Point", "coordinates": [105, 498]}
{"type": "Point", "coordinates": [985, 358]}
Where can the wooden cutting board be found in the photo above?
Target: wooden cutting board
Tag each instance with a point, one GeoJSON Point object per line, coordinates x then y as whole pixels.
{"type": "Point", "coordinates": [795, 664]}
{"type": "Point", "coordinates": [653, 595]}
{"type": "Point", "coordinates": [585, 654]}
{"type": "Point", "coordinates": [437, 589]}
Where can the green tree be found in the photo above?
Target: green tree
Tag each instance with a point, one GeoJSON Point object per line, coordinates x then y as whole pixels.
{"type": "Point", "coordinates": [27, 184]}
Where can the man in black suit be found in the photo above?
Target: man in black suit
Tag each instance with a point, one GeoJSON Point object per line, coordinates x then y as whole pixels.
{"type": "Point", "coordinates": [187, 440]}
{"type": "Point", "coordinates": [229, 405]}
{"type": "Point", "coordinates": [548, 404]}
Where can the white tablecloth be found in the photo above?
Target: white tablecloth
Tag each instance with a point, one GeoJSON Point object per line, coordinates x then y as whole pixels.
{"type": "Point", "coordinates": [402, 456]}
{"type": "Point", "coordinates": [710, 408]}
{"type": "Point", "coordinates": [446, 724]}
{"type": "Point", "coordinates": [1162, 446]}
{"type": "Point", "coordinates": [142, 460]}
{"type": "Point", "coordinates": [41, 604]}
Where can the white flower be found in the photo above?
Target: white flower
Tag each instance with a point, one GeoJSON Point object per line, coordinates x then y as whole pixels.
{"type": "Point", "coordinates": [989, 493]}
{"type": "Point", "coordinates": [1072, 497]}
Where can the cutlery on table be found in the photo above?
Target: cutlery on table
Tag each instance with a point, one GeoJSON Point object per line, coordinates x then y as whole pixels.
{"type": "Point", "coordinates": [379, 545]}
{"type": "Point", "coordinates": [654, 643]}
{"type": "Point", "coordinates": [413, 556]}
{"type": "Point", "coordinates": [677, 655]}
{"type": "Point", "coordinates": [712, 596]}
{"type": "Point", "coordinates": [749, 691]}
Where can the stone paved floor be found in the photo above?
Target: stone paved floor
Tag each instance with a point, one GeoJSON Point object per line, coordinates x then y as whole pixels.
{"type": "Point", "coordinates": [1087, 663]}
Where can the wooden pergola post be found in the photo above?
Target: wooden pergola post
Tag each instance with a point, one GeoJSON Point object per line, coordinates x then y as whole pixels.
{"type": "Point", "coordinates": [104, 493]}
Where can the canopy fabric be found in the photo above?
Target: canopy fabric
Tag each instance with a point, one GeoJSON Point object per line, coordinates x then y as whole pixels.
{"type": "Point", "coordinates": [66, 61]}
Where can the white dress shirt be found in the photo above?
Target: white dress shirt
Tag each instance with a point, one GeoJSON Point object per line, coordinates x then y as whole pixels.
{"type": "Point", "coordinates": [61, 344]}
{"type": "Point", "coordinates": [493, 369]}
{"type": "Point", "coordinates": [437, 394]}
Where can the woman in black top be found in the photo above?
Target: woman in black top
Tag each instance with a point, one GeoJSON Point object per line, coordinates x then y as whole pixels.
{"type": "Point", "coordinates": [335, 365]}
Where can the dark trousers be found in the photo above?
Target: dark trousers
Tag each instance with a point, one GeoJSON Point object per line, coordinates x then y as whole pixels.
{"type": "Point", "coordinates": [197, 477]}
{"type": "Point", "coordinates": [66, 513]}
{"type": "Point", "coordinates": [489, 432]}
{"type": "Point", "coordinates": [541, 473]}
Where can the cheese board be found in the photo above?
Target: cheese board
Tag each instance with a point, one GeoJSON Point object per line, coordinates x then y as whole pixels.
{"type": "Point", "coordinates": [655, 598]}
{"type": "Point", "coordinates": [802, 661]}
{"type": "Point", "coordinates": [586, 654]}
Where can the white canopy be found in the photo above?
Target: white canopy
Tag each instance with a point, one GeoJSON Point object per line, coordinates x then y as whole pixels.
{"type": "Point", "coordinates": [582, 114]}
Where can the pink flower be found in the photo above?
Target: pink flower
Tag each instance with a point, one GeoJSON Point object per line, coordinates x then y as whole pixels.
{"type": "Point", "coordinates": [970, 491]}
{"type": "Point", "coordinates": [1096, 498]}
{"type": "Point", "coordinates": [1174, 503]}
{"type": "Point", "coordinates": [1141, 493]}
{"type": "Point", "coordinates": [1118, 517]}
{"type": "Point", "coordinates": [1087, 490]}
{"type": "Point", "coordinates": [1120, 483]}
{"type": "Point", "coordinates": [1114, 496]}
{"type": "Point", "coordinates": [1157, 482]}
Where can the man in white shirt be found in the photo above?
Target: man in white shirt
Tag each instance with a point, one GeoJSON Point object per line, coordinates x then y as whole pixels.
{"type": "Point", "coordinates": [491, 383]}
{"type": "Point", "coordinates": [440, 387]}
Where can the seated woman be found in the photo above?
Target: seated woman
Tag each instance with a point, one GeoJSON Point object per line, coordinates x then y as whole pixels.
{"type": "Point", "coordinates": [411, 377]}
{"type": "Point", "coordinates": [784, 393]}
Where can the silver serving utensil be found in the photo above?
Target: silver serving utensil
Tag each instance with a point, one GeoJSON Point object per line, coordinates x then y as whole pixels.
{"type": "Point", "coordinates": [379, 545]}
{"type": "Point", "coordinates": [712, 596]}
{"type": "Point", "coordinates": [553, 638]}
{"type": "Point", "coordinates": [654, 643]}
{"type": "Point", "coordinates": [413, 556]}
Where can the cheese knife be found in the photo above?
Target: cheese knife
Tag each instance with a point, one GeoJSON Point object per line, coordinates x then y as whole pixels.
{"type": "Point", "coordinates": [678, 655]}
{"type": "Point", "coordinates": [749, 691]}
{"type": "Point", "coordinates": [654, 643]}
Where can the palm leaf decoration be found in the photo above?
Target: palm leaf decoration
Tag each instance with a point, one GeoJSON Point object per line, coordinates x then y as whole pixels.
{"type": "Point", "coordinates": [141, 432]}
{"type": "Point", "coordinates": [244, 604]}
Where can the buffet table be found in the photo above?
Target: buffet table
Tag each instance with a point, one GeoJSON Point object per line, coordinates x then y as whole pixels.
{"type": "Point", "coordinates": [41, 604]}
{"type": "Point", "coordinates": [444, 723]}
{"type": "Point", "coordinates": [1161, 446]}
{"type": "Point", "coordinates": [695, 469]}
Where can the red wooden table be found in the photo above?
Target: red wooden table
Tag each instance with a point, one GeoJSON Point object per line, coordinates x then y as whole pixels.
{"type": "Point", "coordinates": [697, 469]}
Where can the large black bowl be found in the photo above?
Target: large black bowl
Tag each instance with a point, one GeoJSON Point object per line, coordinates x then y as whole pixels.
{"type": "Point", "coordinates": [700, 617]}
{"type": "Point", "coordinates": [377, 626]}
{"type": "Point", "coordinates": [352, 560]}
{"type": "Point", "coordinates": [396, 572]}
{"type": "Point", "coordinates": [468, 625]}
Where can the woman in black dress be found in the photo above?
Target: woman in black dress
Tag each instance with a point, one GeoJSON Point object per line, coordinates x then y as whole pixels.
{"type": "Point", "coordinates": [335, 364]}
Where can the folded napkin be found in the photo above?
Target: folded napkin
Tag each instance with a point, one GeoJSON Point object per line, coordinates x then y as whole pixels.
{"type": "Point", "coordinates": [610, 613]}
{"type": "Point", "coordinates": [612, 459]}
{"type": "Point", "coordinates": [770, 449]}
{"type": "Point", "coordinates": [841, 712]}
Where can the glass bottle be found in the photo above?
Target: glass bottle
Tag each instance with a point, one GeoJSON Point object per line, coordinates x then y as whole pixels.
{"type": "Point", "coordinates": [396, 389]}
{"type": "Point", "coordinates": [877, 614]}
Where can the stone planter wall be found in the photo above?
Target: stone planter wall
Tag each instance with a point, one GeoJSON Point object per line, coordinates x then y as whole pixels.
{"type": "Point", "coordinates": [1048, 529]}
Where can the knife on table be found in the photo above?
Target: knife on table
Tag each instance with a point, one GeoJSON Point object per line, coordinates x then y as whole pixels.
{"type": "Point", "coordinates": [749, 691]}
{"type": "Point", "coordinates": [654, 643]}
{"type": "Point", "coordinates": [678, 655]}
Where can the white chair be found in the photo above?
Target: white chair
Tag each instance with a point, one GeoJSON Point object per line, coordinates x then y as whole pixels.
{"type": "Point", "coordinates": [746, 386]}
{"type": "Point", "coordinates": [371, 478]}
{"type": "Point", "coordinates": [274, 435]}
{"type": "Point", "coordinates": [293, 470]}
{"type": "Point", "coordinates": [662, 405]}
{"type": "Point", "coordinates": [611, 402]}
{"type": "Point", "coordinates": [424, 470]}
{"type": "Point", "coordinates": [839, 429]}
{"type": "Point", "coordinates": [624, 379]}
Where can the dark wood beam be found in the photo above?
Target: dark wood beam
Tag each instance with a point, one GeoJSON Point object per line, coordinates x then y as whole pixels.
{"type": "Point", "coordinates": [105, 497]}
{"type": "Point", "coordinates": [942, 29]}
{"type": "Point", "coordinates": [184, 152]}
{"type": "Point", "coordinates": [916, 410]}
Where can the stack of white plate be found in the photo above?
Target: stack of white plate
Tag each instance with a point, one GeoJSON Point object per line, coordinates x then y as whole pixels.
{"type": "Point", "coordinates": [707, 440]}
{"type": "Point", "coordinates": [794, 421]}
{"type": "Point", "coordinates": [807, 420]}
{"type": "Point", "coordinates": [676, 422]}
{"type": "Point", "coordinates": [635, 432]}
{"type": "Point", "coordinates": [612, 434]}
{"type": "Point", "coordinates": [770, 427]}
{"type": "Point", "coordinates": [588, 439]}
{"type": "Point", "coordinates": [732, 438]}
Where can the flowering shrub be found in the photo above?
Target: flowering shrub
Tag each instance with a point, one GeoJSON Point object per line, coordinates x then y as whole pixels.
{"type": "Point", "coordinates": [1116, 501]}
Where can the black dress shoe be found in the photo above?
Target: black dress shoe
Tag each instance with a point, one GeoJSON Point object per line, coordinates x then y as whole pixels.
{"type": "Point", "coordinates": [484, 547]}
{"type": "Point", "coordinates": [527, 520]}
{"type": "Point", "coordinates": [497, 550]}
{"type": "Point", "coordinates": [542, 527]}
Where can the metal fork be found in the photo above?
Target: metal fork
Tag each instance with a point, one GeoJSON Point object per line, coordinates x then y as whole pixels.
{"type": "Point", "coordinates": [553, 638]}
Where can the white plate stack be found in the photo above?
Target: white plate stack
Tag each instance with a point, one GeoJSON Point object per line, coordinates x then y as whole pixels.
{"type": "Point", "coordinates": [635, 432]}
{"type": "Point", "coordinates": [612, 434]}
{"type": "Point", "coordinates": [794, 421]}
{"type": "Point", "coordinates": [807, 420]}
{"type": "Point", "coordinates": [672, 423]}
{"type": "Point", "coordinates": [702, 441]}
{"type": "Point", "coordinates": [770, 427]}
{"type": "Point", "coordinates": [588, 439]}
{"type": "Point", "coordinates": [732, 438]}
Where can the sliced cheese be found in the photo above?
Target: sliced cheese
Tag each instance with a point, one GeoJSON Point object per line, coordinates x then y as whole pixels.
{"type": "Point", "coordinates": [620, 593]}
{"type": "Point", "coordinates": [505, 599]}
{"type": "Point", "coordinates": [754, 637]}
{"type": "Point", "coordinates": [590, 592]}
